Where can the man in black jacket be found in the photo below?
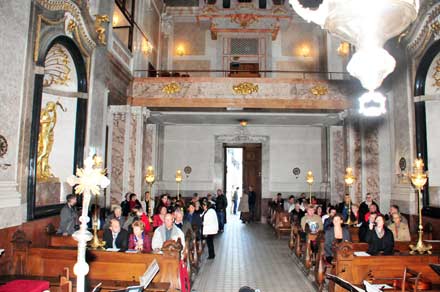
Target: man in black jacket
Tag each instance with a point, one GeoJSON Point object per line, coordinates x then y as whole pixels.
{"type": "Point", "coordinates": [220, 205]}
{"type": "Point", "coordinates": [364, 207]}
{"type": "Point", "coordinates": [252, 201]}
{"type": "Point", "coordinates": [115, 236]}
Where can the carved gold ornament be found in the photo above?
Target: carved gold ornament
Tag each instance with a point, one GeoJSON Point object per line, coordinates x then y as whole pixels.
{"type": "Point", "coordinates": [244, 20]}
{"type": "Point", "coordinates": [56, 67]}
{"type": "Point", "coordinates": [435, 26]}
{"type": "Point", "coordinates": [319, 90]}
{"type": "Point", "coordinates": [171, 88]}
{"type": "Point", "coordinates": [245, 88]}
{"type": "Point", "coordinates": [99, 27]}
{"type": "Point", "coordinates": [71, 26]}
{"type": "Point", "coordinates": [436, 74]}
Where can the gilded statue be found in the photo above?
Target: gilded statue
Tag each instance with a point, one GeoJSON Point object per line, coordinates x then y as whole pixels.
{"type": "Point", "coordinates": [48, 120]}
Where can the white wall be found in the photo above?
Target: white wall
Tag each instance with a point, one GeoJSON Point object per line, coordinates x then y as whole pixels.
{"type": "Point", "coordinates": [289, 147]}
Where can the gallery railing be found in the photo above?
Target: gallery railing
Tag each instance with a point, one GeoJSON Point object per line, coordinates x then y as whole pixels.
{"type": "Point", "coordinates": [306, 75]}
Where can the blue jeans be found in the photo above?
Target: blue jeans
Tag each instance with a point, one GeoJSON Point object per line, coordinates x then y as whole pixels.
{"type": "Point", "coordinates": [221, 219]}
{"type": "Point", "coordinates": [235, 207]}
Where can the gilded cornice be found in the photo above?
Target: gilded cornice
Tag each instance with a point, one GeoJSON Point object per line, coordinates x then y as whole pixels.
{"type": "Point", "coordinates": [81, 28]}
{"type": "Point", "coordinates": [422, 32]}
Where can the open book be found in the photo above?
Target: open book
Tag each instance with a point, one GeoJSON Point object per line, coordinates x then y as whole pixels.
{"type": "Point", "coordinates": [149, 274]}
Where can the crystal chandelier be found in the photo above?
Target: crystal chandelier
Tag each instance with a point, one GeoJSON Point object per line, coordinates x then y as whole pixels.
{"type": "Point", "coordinates": [367, 24]}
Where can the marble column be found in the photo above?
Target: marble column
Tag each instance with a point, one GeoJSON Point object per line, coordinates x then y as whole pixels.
{"type": "Point", "coordinates": [337, 163]}
{"type": "Point", "coordinates": [14, 20]}
{"type": "Point", "coordinates": [354, 156]}
{"type": "Point", "coordinates": [126, 151]}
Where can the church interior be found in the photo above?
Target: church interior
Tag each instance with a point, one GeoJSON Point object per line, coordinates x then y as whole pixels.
{"type": "Point", "coordinates": [219, 145]}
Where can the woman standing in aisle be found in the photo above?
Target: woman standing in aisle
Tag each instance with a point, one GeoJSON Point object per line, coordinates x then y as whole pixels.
{"type": "Point", "coordinates": [210, 227]}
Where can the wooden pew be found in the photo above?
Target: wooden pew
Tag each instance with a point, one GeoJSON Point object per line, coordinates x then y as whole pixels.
{"type": "Point", "coordinates": [282, 223]}
{"type": "Point", "coordinates": [104, 266]}
{"type": "Point", "coordinates": [355, 269]}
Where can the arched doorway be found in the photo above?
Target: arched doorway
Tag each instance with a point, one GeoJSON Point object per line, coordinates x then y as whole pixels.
{"type": "Point", "coordinates": [58, 125]}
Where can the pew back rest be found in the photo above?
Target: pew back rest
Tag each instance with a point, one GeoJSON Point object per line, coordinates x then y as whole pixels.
{"type": "Point", "coordinates": [103, 265]}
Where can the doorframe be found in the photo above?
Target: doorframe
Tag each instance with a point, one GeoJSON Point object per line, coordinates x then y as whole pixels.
{"type": "Point", "coordinates": [240, 139]}
{"type": "Point", "coordinates": [225, 147]}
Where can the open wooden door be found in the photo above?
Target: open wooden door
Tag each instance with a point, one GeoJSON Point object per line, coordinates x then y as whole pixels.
{"type": "Point", "coordinates": [252, 173]}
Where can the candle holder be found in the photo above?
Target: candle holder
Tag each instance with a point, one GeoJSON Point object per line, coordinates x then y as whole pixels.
{"type": "Point", "coordinates": [88, 181]}
{"type": "Point", "coordinates": [310, 179]}
{"type": "Point", "coordinates": [178, 180]}
{"type": "Point", "coordinates": [150, 178]}
{"type": "Point", "coordinates": [349, 180]}
{"type": "Point", "coordinates": [419, 178]}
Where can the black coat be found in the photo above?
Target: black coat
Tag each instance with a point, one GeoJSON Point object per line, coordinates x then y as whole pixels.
{"type": "Point", "coordinates": [221, 203]}
{"type": "Point", "coordinates": [364, 209]}
{"type": "Point", "coordinates": [377, 245]}
{"type": "Point", "coordinates": [125, 207]}
{"type": "Point", "coordinates": [252, 199]}
{"type": "Point", "coordinates": [121, 239]}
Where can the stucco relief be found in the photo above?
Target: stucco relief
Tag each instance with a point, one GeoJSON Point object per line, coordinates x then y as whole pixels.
{"type": "Point", "coordinates": [117, 164]}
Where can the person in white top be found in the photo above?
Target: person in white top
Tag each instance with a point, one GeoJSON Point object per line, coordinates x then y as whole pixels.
{"type": "Point", "coordinates": [210, 227]}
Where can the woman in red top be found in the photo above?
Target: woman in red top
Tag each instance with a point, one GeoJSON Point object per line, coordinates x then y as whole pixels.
{"type": "Point", "coordinates": [134, 202]}
{"type": "Point", "coordinates": [139, 239]}
{"type": "Point", "coordinates": [159, 218]}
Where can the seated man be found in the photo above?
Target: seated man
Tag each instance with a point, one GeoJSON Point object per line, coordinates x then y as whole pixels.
{"type": "Point", "coordinates": [296, 214]}
{"type": "Point", "coordinates": [399, 229]}
{"type": "Point", "coordinates": [313, 220]}
{"type": "Point", "coordinates": [115, 236]}
{"type": "Point", "coordinates": [116, 214]}
{"type": "Point", "coordinates": [68, 217]}
{"type": "Point", "coordinates": [329, 220]}
{"type": "Point", "coordinates": [167, 231]}
{"type": "Point", "coordinates": [290, 205]}
{"type": "Point", "coordinates": [394, 209]}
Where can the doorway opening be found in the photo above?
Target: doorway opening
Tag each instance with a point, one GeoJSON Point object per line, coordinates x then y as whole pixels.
{"type": "Point", "coordinates": [234, 174]}
{"type": "Point", "coordinates": [242, 168]}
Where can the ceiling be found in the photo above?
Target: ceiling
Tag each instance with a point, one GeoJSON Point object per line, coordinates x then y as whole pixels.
{"type": "Point", "coordinates": [253, 118]}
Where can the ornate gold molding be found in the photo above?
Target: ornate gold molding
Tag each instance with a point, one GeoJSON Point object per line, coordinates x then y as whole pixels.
{"type": "Point", "coordinates": [99, 27]}
{"type": "Point", "coordinates": [244, 20]}
{"type": "Point", "coordinates": [436, 74]}
{"type": "Point", "coordinates": [171, 88]}
{"type": "Point", "coordinates": [56, 67]}
{"type": "Point", "coordinates": [319, 90]}
{"type": "Point", "coordinates": [245, 88]}
{"type": "Point", "coordinates": [82, 33]}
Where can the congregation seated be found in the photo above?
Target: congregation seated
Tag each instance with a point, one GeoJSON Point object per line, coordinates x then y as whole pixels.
{"type": "Point", "coordinates": [115, 237]}
{"type": "Point", "coordinates": [399, 228]}
{"type": "Point", "coordinates": [290, 204]}
{"type": "Point", "coordinates": [373, 209]}
{"type": "Point", "coordinates": [296, 214]}
{"type": "Point", "coordinates": [354, 214]}
{"type": "Point", "coordinates": [158, 219]}
{"type": "Point", "coordinates": [137, 214]}
{"type": "Point", "coordinates": [68, 217]}
{"type": "Point", "coordinates": [167, 231]}
{"type": "Point", "coordinates": [344, 207]}
{"type": "Point", "coordinates": [193, 218]}
{"type": "Point", "coordinates": [139, 239]}
{"type": "Point", "coordinates": [178, 218]}
{"type": "Point", "coordinates": [319, 210]}
{"type": "Point", "coordinates": [394, 209]}
{"type": "Point", "coordinates": [116, 214]}
{"type": "Point", "coordinates": [125, 205]}
{"type": "Point", "coordinates": [278, 202]}
{"type": "Point", "coordinates": [335, 232]}
{"type": "Point", "coordinates": [327, 220]}
{"type": "Point", "coordinates": [364, 207]}
{"type": "Point", "coordinates": [379, 238]}
{"type": "Point", "coordinates": [312, 220]}
{"type": "Point", "coordinates": [363, 229]}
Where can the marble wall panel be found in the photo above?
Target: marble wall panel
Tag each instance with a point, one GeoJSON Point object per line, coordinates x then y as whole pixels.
{"type": "Point", "coordinates": [371, 161]}
{"type": "Point", "coordinates": [132, 154]}
{"type": "Point", "coordinates": [192, 65]}
{"type": "Point", "coordinates": [338, 163]}
{"type": "Point", "coordinates": [191, 36]}
{"type": "Point", "coordinates": [117, 164]}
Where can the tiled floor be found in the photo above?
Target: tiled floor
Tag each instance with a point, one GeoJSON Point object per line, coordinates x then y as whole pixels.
{"type": "Point", "coordinates": [250, 255]}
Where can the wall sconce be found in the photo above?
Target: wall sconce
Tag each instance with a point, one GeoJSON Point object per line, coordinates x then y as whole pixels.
{"type": "Point", "coordinates": [147, 47]}
{"type": "Point", "coordinates": [187, 170]}
{"type": "Point", "coordinates": [115, 20]}
{"type": "Point", "coordinates": [344, 49]}
{"type": "Point", "coordinates": [304, 51]}
{"type": "Point", "coordinates": [180, 50]}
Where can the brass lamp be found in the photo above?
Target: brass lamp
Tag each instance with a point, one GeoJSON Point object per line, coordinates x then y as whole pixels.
{"type": "Point", "coordinates": [349, 180]}
{"type": "Point", "coordinates": [419, 178]}
{"type": "Point", "coordinates": [310, 179]}
{"type": "Point", "coordinates": [150, 178]}
{"type": "Point", "coordinates": [178, 180]}
{"type": "Point", "coordinates": [95, 243]}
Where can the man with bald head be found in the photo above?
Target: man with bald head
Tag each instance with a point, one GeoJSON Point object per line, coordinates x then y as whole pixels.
{"type": "Point", "coordinates": [115, 237]}
{"type": "Point", "coordinates": [167, 231]}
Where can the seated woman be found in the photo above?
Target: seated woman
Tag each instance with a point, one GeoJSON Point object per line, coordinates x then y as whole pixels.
{"type": "Point", "coordinates": [379, 238]}
{"type": "Point", "coordinates": [399, 229]}
{"type": "Point", "coordinates": [139, 240]}
{"type": "Point", "coordinates": [158, 219]}
{"type": "Point", "coordinates": [335, 232]}
{"type": "Point", "coordinates": [364, 227]}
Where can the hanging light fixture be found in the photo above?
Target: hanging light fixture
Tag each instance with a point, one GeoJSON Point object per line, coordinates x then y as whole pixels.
{"type": "Point", "coordinates": [367, 24]}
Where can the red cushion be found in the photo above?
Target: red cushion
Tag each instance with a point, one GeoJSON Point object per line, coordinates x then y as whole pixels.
{"type": "Point", "coordinates": [25, 285]}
